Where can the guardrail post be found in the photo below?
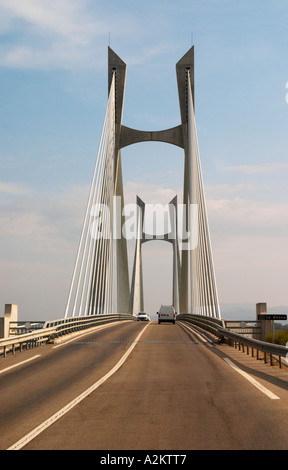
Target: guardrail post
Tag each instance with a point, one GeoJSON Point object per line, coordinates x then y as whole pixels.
{"type": "Point", "coordinates": [271, 359]}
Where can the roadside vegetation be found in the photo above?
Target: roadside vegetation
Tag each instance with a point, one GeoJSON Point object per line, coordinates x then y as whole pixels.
{"type": "Point", "coordinates": [280, 335]}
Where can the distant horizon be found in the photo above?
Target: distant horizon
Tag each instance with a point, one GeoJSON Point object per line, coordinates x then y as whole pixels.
{"type": "Point", "coordinates": [229, 311]}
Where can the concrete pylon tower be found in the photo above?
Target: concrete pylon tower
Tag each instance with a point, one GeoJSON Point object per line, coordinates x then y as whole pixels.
{"type": "Point", "coordinates": [137, 296]}
{"type": "Point", "coordinates": [117, 68]}
{"type": "Point", "coordinates": [194, 283]}
{"type": "Point", "coordinates": [183, 67]}
{"type": "Point", "coordinates": [127, 136]}
{"type": "Point", "coordinates": [178, 136]}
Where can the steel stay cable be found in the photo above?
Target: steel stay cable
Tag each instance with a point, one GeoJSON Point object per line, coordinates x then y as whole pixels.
{"type": "Point", "coordinates": [86, 218]}
{"type": "Point", "coordinates": [89, 273]}
{"type": "Point", "coordinates": [207, 251]}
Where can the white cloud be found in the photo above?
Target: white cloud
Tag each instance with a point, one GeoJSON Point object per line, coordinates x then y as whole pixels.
{"type": "Point", "coordinates": [39, 236]}
{"type": "Point", "coordinates": [14, 189]}
{"type": "Point", "coordinates": [249, 241]}
{"type": "Point", "coordinates": [149, 193]}
{"type": "Point", "coordinates": [254, 169]}
{"type": "Point", "coordinates": [251, 269]}
{"type": "Point", "coordinates": [40, 222]}
{"type": "Point", "coordinates": [66, 19]}
{"type": "Point", "coordinates": [72, 34]}
{"type": "Point", "coordinates": [249, 215]}
{"type": "Point", "coordinates": [58, 33]}
{"type": "Point", "coordinates": [50, 223]}
{"type": "Point", "coordinates": [225, 190]}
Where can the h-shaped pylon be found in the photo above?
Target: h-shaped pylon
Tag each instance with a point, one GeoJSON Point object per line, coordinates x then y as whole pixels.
{"type": "Point", "coordinates": [194, 283]}
{"type": "Point", "coordinates": [137, 295]}
{"type": "Point", "coordinates": [126, 136]}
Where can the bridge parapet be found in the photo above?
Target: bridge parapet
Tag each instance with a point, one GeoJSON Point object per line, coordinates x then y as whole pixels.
{"type": "Point", "coordinates": [210, 324]}
{"type": "Point", "coordinates": [58, 328]}
{"type": "Point", "coordinates": [64, 326]}
{"type": "Point", "coordinates": [218, 328]}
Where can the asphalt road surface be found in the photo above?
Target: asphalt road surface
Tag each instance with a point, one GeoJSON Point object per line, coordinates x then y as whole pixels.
{"type": "Point", "coordinates": [140, 386]}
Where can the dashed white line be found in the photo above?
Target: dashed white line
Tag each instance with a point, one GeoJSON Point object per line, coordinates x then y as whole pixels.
{"type": "Point", "coordinates": [39, 429]}
{"type": "Point", "coordinates": [263, 389]}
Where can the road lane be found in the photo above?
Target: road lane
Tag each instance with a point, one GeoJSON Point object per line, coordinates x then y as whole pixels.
{"type": "Point", "coordinates": [275, 378]}
{"type": "Point", "coordinates": [19, 364]}
{"type": "Point", "coordinates": [37, 389]}
{"type": "Point", "coordinates": [173, 392]}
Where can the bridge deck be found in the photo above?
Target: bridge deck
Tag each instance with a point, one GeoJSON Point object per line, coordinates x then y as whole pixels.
{"type": "Point", "coordinates": [174, 391]}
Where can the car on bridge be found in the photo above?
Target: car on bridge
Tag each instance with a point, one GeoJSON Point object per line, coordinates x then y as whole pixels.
{"type": "Point", "coordinates": [142, 316]}
{"type": "Point", "coordinates": [166, 313]}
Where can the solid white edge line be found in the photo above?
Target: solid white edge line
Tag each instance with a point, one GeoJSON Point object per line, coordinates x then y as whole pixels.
{"type": "Point", "coordinates": [251, 380]}
{"type": "Point", "coordinates": [19, 364]}
{"type": "Point", "coordinates": [39, 429]}
{"type": "Point", "coordinates": [263, 389]}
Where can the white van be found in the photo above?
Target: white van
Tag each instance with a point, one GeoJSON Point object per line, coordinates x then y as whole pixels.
{"type": "Point", "coordinates": [166, 314]}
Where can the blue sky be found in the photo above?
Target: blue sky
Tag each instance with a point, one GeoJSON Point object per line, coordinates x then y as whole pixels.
{"type": "Point", "coordinates": [53, 95]}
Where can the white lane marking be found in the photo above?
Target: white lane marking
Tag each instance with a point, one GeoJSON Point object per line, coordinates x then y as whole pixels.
{"type": "Point", "coordinates": [205, 340]}
{"type": "Point", "coordinates": [91, 330]}
{"type": "Point", "coordinates": [253, 381]}
{"type": "Point", "coordinates": [19, 364]}
{"type": "Point", "coordinates": [39, 429]}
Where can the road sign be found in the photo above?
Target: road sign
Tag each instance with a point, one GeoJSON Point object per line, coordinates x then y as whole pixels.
{"type": "Point", "coordinates": [273, 316]}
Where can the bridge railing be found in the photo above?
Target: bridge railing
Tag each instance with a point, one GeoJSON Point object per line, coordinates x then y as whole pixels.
{"type": "Point", "coordinates": [29, 340]}
{"type": "Point", "coordinates": [217, 328]}
{"type": "Point", "coordinates": [58, 328]}
{"type": "Point", "coordinates": [249, 328]}
{"type": "Point", "coordinates": [268, 349]}
{"type": "Point", "coordinates": [65, 326]}
{"type": "Point", "coordinates": [210, 324]}
{"type": "Point", "coordinates": [17, 328]}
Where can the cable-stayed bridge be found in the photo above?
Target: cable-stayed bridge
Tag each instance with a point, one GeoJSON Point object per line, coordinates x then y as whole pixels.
{"type": "Point", "coordinates": [94, 278]}
{"type": "Point", "coordinates": [103, 380]}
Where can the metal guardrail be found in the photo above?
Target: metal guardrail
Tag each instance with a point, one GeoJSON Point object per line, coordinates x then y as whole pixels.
{"type": "Point", "coordinates": [217, 327]}
{"type": "Point", "coordinates": [268, 349]}
{"type": "Point", "coordinates": [57, 328]}
{"type": "Point", "coordinates": [207, 323]}
{"type": "Point", "coordinates": [70, 325]}
{"type": "Point", "coordinates": [29, 340]}
{"type": "Point", "coordinates": [17, 328]}
{"type": "Point", "coordinates": [250, 328]}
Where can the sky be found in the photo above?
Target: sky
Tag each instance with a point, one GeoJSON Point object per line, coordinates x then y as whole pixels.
{"type": "Point", "coordinates": [53, 97]}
